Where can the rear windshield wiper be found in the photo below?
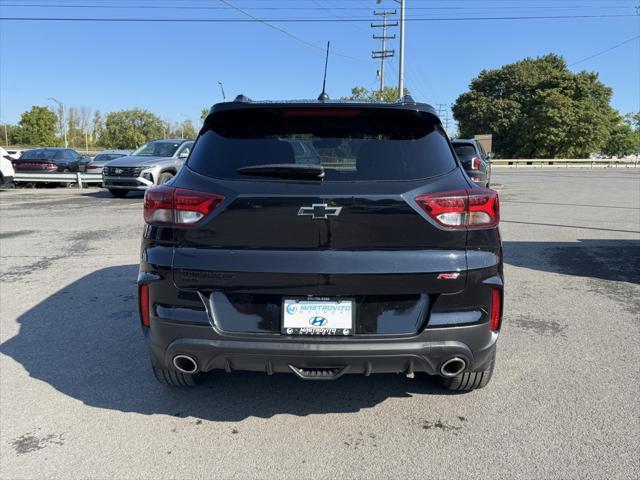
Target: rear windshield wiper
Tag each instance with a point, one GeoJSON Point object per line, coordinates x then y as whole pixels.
{"type": "Point", "coordinates": [293, 170]}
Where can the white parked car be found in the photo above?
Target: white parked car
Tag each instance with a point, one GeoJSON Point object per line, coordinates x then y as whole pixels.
{"type": "Point", "coordinates": [6, 169]}
{"type": "Point", "coordinates": [15, 154]}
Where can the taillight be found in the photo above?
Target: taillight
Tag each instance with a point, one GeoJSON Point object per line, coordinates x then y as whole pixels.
{"type": "Point", "coordinates": [496, 310]}
{"type": "Point", "coordinates": [178, 206]}
{"type": "Point", "coordinates": [143, 299]}
{"type": "Point", "coordinates": [475, 163]}
{"type": "Point", "coordinates": [476, 208]}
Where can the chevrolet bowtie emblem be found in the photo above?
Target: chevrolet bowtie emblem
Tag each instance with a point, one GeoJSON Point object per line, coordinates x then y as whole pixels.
{"type": "Point", "coordinates": [319, 211]}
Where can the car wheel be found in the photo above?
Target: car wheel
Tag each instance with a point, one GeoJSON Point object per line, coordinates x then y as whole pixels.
{"type": "Point", "coordinates": [174, 378]}
{"type": "Point", "coordinates": [118, 193]}
{"type": "Point", "coordinates": [467, 381]}
{"type": "Point", "coordinates": [165, 177]}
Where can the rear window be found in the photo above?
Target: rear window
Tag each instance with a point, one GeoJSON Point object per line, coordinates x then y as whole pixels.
{"type": "Point", "coordinates": [40, 154]}
{"type": "Point", "coordinates": [105, 157]}
{"type": "Point", "coordinates": [464, 150]}
{"type": "Point", "coordinates": [350, 144]}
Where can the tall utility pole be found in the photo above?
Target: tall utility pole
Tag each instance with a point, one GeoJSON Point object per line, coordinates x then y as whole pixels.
{"type": "Point", "coordinates": [64, 120]}
{"type": "Point", "coordinates": [443, 114]}
{"type": "Point", "coordinates": [401, 62]}
{"type": "Point", "coordinates": [383, 52]}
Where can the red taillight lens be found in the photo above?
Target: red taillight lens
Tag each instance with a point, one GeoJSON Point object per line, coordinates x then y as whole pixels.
{"type": "Point", "coordinates": [476, 208]}
{"type": "Point", "coordinates": [178, 206]}
{"type": "Point", "coordinates": [475, 163]}
{"type": "Point", "coordinates": [496, 310]}
{"type": "Point", "coordinates": [143, 299]}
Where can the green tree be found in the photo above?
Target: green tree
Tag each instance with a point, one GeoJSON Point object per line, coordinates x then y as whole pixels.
{"type": "Point", "coordinates": [389, 94]}
{"type": "Point", "coordinates": [97, 127]}
{"type": "Point", "coordinates": [7, 133]}
{"type": "Point", "coordinates": [37, 128]}
{"type": "Point", "coordinates": [129, 129]}
{"type": "Point", "coordinates": [537, 108]}
{"type": "Point", "coordinates": [203, 113]}
{"type": "Point", "coordinates": [622, 140]}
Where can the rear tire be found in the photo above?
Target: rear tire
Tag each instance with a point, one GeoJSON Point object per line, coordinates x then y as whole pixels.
{"type": "Point", "coordinates": [174, 378]}
{"type": "Point", "coordinates": [467, 381]}
{"type": "Point", "coordinates": [118, 193]}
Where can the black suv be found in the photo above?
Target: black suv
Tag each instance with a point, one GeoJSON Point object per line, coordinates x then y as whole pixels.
{"type": "Point", "coordinates": [379, 256]}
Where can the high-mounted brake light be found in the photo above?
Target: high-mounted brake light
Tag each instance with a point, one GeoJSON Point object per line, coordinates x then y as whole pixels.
{"type": "Point", "coordinates": [475, 208]}
{"type": "Point", "coordinates": [496, 310]}
{"type": "Point", "coordinates": [320, 112]}
{"type": "Point", "coordinates": [177, 206]}
{"type": "Point", "coordinates": [475, 163]}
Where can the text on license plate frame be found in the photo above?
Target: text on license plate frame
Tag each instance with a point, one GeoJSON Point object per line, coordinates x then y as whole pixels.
{"type": "Point", "coordinates": [293, 326]}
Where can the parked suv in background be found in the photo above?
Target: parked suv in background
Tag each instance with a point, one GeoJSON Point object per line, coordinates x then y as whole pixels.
{"type": "Point", "coordinates": [154, 163]}
{"type": "Point", "coordinates": [476, 162]}
{"type": "Point", "coordinates": [382, 256]}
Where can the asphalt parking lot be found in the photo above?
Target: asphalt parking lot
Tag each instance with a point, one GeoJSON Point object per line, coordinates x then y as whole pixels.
{"type": "Point", "coordinates": [77, 398]}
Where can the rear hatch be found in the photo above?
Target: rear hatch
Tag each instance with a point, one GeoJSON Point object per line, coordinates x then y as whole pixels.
{"type": "Point", "coordinates": [344, 227]}
{"type": "Point", "coordinates": [465, 152]}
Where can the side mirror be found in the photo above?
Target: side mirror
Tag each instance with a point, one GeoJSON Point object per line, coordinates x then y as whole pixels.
{"type": "Point", "coordinates": [490, 155]}
{"type": "Point", "coordinates": [183, 155]}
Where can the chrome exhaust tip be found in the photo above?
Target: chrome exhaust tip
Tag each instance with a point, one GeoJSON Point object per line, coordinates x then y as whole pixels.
{"type": "Point", "coordinates": [185, 364]}
{"type": "Point", "coordinates": [452, 367]}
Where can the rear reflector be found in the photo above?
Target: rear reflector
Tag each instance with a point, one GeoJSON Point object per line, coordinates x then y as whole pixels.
{"type": "Point", "coordinates": [475, 208]}
{"type": "Point", "coordinates": [496, 310]}
{"type": "Point", "coordinates": [177, 206]}
{"type": "Point", "coordinates": [143, 299]}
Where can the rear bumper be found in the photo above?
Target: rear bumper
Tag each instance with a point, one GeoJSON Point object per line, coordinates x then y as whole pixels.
{"type": "Point", "coordinates": [425, 352]}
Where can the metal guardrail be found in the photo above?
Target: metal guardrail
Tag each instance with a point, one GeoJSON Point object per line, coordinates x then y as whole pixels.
{"type": "Point", "coordinates": [566, 163]}
{"type": "Point", "coordinates": [80, 179]}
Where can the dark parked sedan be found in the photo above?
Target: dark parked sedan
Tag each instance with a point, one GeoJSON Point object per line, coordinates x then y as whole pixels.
{"type": "Point", "coordinates": [41, 160]}
{"type": "Point", "coordinates": [475, 160]}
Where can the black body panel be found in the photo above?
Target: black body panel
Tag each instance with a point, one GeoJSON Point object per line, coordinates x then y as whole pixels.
{"type": "Point", "coordinates": [422, 293]}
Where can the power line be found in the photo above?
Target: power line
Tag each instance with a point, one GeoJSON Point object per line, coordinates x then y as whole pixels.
{"type": "Point", "coordinates": [285, 32]}
{"type": "Point", "coordinates": [276, 8]}
{"type": "Point", "coordinates": [269, 21]}
{"type": "Point", "coordinates": [605, 51]}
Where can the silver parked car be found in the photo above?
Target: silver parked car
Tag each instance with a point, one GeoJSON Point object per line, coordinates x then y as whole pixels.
{"type": "Point", "coordinates": [100, 160]}
{"type": "Point", "coordinates": [153, 163]}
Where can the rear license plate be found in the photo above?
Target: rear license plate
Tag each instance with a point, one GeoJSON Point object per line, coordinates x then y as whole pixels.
{"type": "Point", "coordinates": [324, 317]}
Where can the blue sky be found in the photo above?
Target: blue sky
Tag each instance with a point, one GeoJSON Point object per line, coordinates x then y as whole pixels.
{"type": "Point", "coordinates": [172, 69]}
